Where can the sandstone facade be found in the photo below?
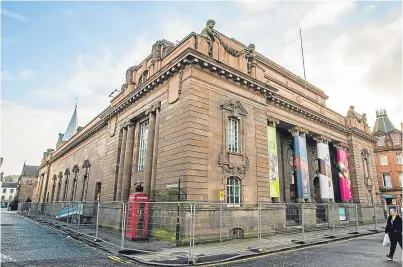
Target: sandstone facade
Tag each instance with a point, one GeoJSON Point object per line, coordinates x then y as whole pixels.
{"type": "Point", "coordinates": [174, 119]}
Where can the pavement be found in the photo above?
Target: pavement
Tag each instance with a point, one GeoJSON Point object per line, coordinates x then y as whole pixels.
{"type": "Point", "coordinates": [27, 243]}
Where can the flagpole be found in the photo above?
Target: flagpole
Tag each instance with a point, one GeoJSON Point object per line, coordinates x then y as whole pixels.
{"type": "Point", "coordinates": [303, 60]}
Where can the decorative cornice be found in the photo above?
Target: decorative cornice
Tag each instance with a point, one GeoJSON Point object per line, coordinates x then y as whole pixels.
{"type": "Point", "coordinates": [272, 120]}
{"type": "Point", "coordinates": [341, 146]}
{"type": "Point", "coordinates": [363, 135]}
{"type": "Point", "coordinates": [86, 164]}
{"type": "Point", "coordinates": [76, 168]}
{"type": "Point", "coordinates": [322, 139]}
{"type": "Point", "coordinates": [297, 130]}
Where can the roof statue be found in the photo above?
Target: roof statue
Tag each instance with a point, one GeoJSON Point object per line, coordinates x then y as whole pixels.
{"type": "Point", "coordinates": [72, 127]}
{"type": "Point", "coordinates": [208, 33]}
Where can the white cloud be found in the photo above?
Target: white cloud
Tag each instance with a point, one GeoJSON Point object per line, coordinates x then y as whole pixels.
{"type": "Point", "coordinates": [13, 15]}
{"type": "Point", "coordinates": [326, 14]}
{"type": "Point", "coordinates": [22, 74]}
{"type": "Point", "coordinates": [25, 133]}
{"type": "Point", "coordinates": [370, 8]}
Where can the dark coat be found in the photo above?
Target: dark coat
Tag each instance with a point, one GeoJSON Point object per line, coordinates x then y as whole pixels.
{"type": "Point", "coordinates": [395, 226]}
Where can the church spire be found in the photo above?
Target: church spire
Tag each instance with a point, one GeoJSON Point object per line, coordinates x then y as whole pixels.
{"type": "Point", "coordinates": [72, 128]}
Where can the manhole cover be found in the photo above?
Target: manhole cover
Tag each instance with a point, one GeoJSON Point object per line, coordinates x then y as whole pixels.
{"type": "Point", "coordinates": [6, 224]}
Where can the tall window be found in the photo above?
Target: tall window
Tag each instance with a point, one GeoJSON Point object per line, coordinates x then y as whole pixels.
{"type": "Point", "coordinates": [387, 180]}
{"type": "Point", "coordinates": [4, 190]}
{"type": "Point", "coordinates": [383, 159]}
{"type": "Point", "coordinates": [400, 175]}
{"type": "Point", "coordinates": [233, 190]}
{"type": "Point", "coordinates": [11, 191]}
{"type": "Point", "coordinates": [395, 139]}
{"type": "Point", "coordinates": [143, 145]}
{"type": "Point", "coordinates": [381, 141]}
{"type": "Point", "coordinates": [399, 158]}
{"type": "Point", "coordinates": [233, 135]}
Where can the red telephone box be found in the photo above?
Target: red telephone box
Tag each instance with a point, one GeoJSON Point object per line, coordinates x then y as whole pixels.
{"type": "Point", "coordinates": [137, 216]}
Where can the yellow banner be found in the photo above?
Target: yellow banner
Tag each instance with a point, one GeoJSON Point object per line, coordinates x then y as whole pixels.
{"type": "Point", "coordinates": [273, 162]}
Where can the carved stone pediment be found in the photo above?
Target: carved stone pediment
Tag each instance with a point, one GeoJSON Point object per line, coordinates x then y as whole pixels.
{"type": "Point", "coordinates": [235, 107]}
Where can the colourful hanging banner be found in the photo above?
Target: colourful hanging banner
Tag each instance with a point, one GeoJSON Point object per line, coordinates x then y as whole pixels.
{"type": "Point", "coordinates": [301, 167]}
{"type": "Point", "coordinates": [325, 171]}
{"type": "Point", "coordinates": [344, 175]}
{"type": "Point", "coordinates": [273, 162]}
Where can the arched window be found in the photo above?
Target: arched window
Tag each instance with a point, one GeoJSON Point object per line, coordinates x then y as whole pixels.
{"type": "Point", "coordinates": [234, 190]}
{"type": "Point", "coordinates": [143, 77]}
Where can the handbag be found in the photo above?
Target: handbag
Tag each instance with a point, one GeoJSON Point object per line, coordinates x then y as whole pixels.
{"type": "Point", "coordinates": [386, 241]}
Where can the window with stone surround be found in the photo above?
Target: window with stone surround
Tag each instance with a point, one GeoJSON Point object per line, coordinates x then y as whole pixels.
{"type": "Point", "coordinates": [233, 135]}
{"type": "Point", "coordinates": [387, 180]}
{"type": "Point", "coordinates": [383, 160]}
{"type": "Point", "coordinates": [399, 158]}
{"type": "Point", "coordinates": [11, 191]}
{"type": "Point", "coordinates": [400, 175]}
{"type": "Point", "coordinates": [395, 139]}
{"type": "Point", "coordinates": [381, 141]}
{"type": "Point", "coordinates": [143, 145]}
{"type": "Point", "coordinates": [4, 190]}
{"type": "Point", "coordinates": [234, 191]}
{"type": "Point", "coordinates": [3, 197]}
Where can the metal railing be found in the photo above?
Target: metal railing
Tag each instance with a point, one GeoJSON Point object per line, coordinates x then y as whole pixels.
{"type": "Point", "coordinates": [197, 230]}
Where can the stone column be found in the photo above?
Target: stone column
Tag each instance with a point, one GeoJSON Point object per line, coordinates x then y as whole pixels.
{"type": "Point", "coordinates": [273, 160]}
{"type": "Point", "coordinates": [121, 164]}
{"type": "Point", "coordinates": [301, 164]}
{"type": "Point", "coordinates": [325, 169]}
{"type": "Point", "coordinates": [59, 186]}
{"type": "Point", "coordinates": [127, 169]}
{"type": "Point", "coordinates": [149, 153]}
{"type": "Point", "coordinates": [155, 151]}
{"type": "Point", "coordinates": [344, 173]}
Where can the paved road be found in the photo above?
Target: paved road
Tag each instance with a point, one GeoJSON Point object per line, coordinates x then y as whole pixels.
{"type": "Point", "coordinates": [360, 252]}
{"type": "Point", "coordinates": [27, 244]}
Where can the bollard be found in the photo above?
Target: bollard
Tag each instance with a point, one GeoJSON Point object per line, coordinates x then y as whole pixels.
{"type": "Point", "coordinates": [334, 220]}
{"type": "Point", "coordinates": [122, 241]}
{"type": "Point", "coordinates": [96, 226]}
{"type": "Point", "coordinates": [259, 224]}
{"type": "Point", "coordinates": [376, 220]}
{"type": "Point", "coordinates": [303, 222]}
{"type": "Point", "coordinates": [356, 218]}
{"type": "Point", "coordinates": [221, 221]}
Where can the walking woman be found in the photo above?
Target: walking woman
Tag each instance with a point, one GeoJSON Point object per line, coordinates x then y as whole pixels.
{"type": "Point", "coordinates": [394, 230]}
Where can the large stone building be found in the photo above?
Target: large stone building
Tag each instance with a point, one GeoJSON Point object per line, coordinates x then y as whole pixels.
{"type": "Point", "coordinates": [27, 182]}
{"type": "Point", "coordinates": [389, 159]}
{"type": "Point", "coordinates": [217, 115]}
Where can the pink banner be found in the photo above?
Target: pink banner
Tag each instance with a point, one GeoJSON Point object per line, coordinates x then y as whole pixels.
{"type": "Point", "coordinates": [344, 175]}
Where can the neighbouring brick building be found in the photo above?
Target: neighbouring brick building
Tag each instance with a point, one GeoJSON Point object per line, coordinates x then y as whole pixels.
{"type": "Point", "coordinates": [27, 182]}
{"type": "Point", "coordinates": [219, 116]}
{"type": "Point", "coordinates": [389, 158]}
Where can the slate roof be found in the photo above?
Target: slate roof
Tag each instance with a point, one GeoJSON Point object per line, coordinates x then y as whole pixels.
{"type": "Point", "coordinates": [9, 185]}
{"type": "Point", "coordinates": [30, 171]}
{"type": "Point", "coordinates": [72, 127]}
{"type": "Point", "coordinates": [382, 124]}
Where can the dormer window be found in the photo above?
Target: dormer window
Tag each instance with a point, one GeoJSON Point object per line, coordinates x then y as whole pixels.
{"type": "Point", "coordinates": [381, 141]}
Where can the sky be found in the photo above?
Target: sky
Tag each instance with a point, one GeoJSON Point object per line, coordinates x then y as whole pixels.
{"type": "Point", "coordinates": [53, 52]}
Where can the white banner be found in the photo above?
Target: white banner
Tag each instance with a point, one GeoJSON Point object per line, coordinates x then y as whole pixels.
{"type": "Point", "coordinates": [325, 171]}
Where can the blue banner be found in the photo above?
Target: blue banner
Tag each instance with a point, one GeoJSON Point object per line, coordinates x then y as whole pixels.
{"type": "Point", "coordinates": [301, 168]}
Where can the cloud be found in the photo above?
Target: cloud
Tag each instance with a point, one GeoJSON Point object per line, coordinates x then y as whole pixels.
{"type": "Point", "coordinates": [13, 15]}
{"type": "Point", "coordinates": [22, 138]}
{"type": "Point", "coordinates": [23, 74]}
{"type": "Point", "coordinates": [370, 8]}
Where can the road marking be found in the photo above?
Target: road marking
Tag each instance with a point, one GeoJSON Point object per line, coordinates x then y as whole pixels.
{"type": "Point", "coordinates": [283, 252]}
{"type": "Point", "coordinates": [6, 258]}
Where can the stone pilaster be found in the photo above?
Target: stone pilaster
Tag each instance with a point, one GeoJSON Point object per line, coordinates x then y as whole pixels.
{"type": "Point", "coordinates": [121, 164]}
{"type": "Point", "coordinates": [150, 146]}
{"type": "Point", "coordinates": [155, 151]}
{"type": "Point", "coordinates": [127, 169]}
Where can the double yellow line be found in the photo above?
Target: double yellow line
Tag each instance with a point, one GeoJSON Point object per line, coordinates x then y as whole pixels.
{"type": "Point", "coordinates": [119, 259]}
